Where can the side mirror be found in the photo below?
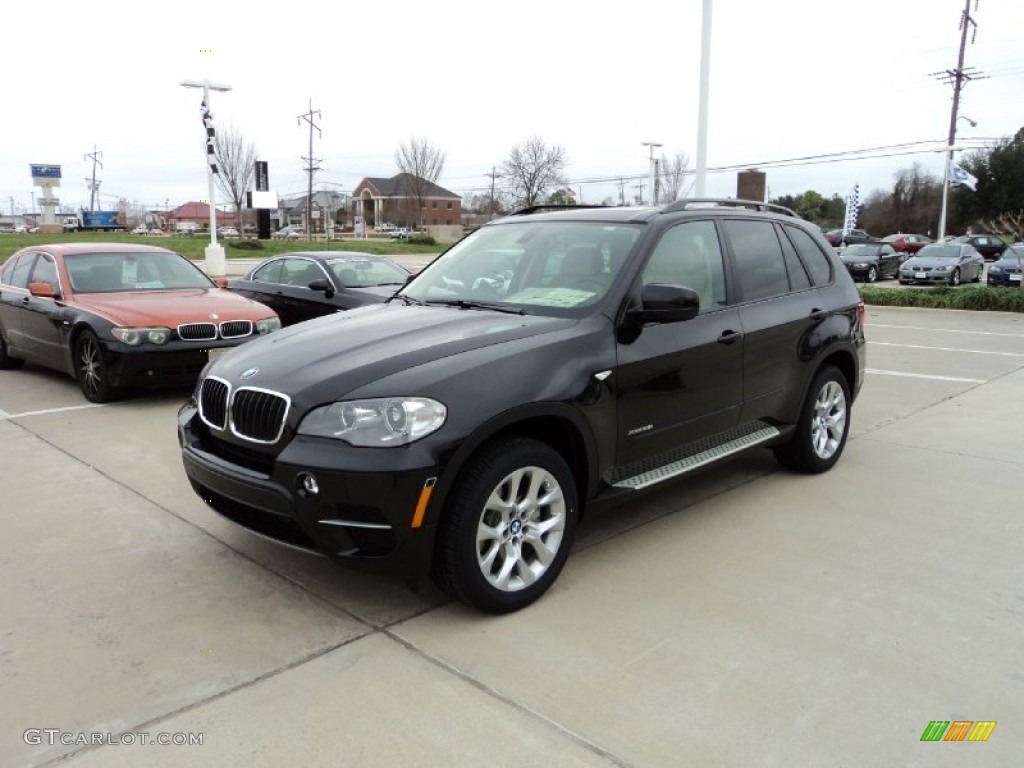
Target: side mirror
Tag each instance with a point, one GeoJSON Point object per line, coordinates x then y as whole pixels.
{"type": "Point", "coordinates": [322, 285]}
{"type": "Point", "coordinates": [662, 303]}
{"type": "Point", "coordinates": [220, 282]}
{"type": "Point", "coordinates": [43, 291]}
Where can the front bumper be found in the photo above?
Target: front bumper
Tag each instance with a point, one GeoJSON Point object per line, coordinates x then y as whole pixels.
{"type": "Point", "coordinates": [372, 517]}
{"type": "Point", "coordinates": [1011, 279]}
{"type": "Point", "coordinates": [175, 364]}
{"type": "Point", "coordinates": [931, 279]}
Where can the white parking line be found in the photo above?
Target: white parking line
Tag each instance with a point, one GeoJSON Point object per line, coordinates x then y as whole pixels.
{"type": "Point", "coordinates": [946, 330]}
{"type": "Point", "coordinates": [5, 415]}
{"type": "Point", "coordinates": [922, 376]}
{"type": "Point", "coordinates": [947, 349]}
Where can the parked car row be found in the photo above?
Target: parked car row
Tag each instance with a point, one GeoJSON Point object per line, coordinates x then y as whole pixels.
{"type": "Point", "coordinates": [1006, 270]}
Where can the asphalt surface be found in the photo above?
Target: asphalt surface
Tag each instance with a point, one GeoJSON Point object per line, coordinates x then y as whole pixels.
{"type": "Point", "coordinates": [744, 617]}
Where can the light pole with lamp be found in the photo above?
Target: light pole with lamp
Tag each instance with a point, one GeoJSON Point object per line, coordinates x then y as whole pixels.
{"type": "Point", "coordinates": [216, 264]}
{"type": "Point", "coordinates": [945, 173]}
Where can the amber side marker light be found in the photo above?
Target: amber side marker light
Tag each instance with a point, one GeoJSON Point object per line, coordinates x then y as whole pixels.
{"type": "Point", "coordinates": [421, 505]}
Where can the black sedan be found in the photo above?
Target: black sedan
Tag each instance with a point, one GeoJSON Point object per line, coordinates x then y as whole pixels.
{"type": "Point", "coordinates": [989, 246]}
{"type": "Point", "coordinates": [872, 261]}
{"type": "Point", "coordinates": [306, 284]}
{"type": "Point", "coordinates": [950, 263]}
{"type": "Point", "coordinates": [1007, 270]}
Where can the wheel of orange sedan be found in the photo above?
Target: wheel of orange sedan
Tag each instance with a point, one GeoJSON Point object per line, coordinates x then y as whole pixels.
{"type": "Point", "coordinates": [91, 369]}
{"type": "Point", "coordinates": [509, 527]}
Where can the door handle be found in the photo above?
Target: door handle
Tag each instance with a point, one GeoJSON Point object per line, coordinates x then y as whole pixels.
{"type": "Point", "coordinates": [728, 337]}
{"type": "Point", "coordinates": [818, 314]}
{"type": "Point", "coordinates": [25, 300]}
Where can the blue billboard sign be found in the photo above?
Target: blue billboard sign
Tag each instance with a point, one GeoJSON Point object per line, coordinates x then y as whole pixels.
{"type": "Point", "coordinates": [45, 171]}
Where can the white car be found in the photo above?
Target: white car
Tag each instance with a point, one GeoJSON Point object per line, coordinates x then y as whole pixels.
{"type": "Point", "coordinates": [140, 230]}
{"type": "Point", "coordinates": [228, 232]}
{"type": "Point", "coordinates": [402, 233]}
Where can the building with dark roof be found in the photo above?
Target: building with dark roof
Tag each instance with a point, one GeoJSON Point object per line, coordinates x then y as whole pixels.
{"type": "Point", "coordinates": [407, 200]}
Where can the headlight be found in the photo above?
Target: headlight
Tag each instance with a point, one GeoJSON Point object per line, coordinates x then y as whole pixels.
{"type": "Point", "coordinates": [268, 324]}
{"type": "Point", "coordinates": [942, 269]}
{"type": "Point", "coordinates": [994, 270]}
{"type": "Point", "coordinates": [861, 266]}
{"type": "Point", "coordinates": [379, 422]}
{"type": "Point", "coordinates": [135, 336]}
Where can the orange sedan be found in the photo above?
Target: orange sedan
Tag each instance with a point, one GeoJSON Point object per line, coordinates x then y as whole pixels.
{"type": "Point", "coordinates": [119, 315]}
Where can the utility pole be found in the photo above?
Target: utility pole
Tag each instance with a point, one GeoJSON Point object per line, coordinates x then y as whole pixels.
{"type": "Point", "coordinates": [311, 168]}
{"type": "Point", "coordinates": [640, 186]}
{"type": "Point", "coordinates": [657, 180]}
{"type": "Point", "coordinates": [652, 145]}
{"type": "Point", "coordinates": [494, 175]}
{"type": "Point", "coordinates": [622, 191]}
{"type": "Point", "coordinates": [958, 77]}
{"type": "Point", "coordinates": [94, 186]}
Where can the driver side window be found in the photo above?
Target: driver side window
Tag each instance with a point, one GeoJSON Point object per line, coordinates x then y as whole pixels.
{"type": "Point", "coordinates": [689, 255]}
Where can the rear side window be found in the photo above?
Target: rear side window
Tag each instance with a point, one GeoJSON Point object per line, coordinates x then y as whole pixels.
{"type": "Point", "coordinates": [818, 264]}
{"type": "Point", "coordinates": [17, 275]}
{"type": "Point", "coordinates": [798, 279]}
{"type": "Point", "coordinates": [760, 265]}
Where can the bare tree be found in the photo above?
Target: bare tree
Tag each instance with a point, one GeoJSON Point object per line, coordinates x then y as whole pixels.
{"type": "Point", "coordinates": [236, 167]}
{"type": "Point", "coordinates": [672, 175]}
{"type": "Point", "coordinates": [532, 168]}
{"type": "Point", "coordinates": [420, 164]}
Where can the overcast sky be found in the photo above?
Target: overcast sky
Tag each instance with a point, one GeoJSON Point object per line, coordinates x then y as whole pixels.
{"type": "Point", "coordinates": [789, 79]}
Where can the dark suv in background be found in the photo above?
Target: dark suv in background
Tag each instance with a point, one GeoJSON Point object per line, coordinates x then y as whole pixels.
{"type": "Point", "coordinates": [553, 362]}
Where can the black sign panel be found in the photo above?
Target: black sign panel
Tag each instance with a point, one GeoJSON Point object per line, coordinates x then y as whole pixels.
{"type": "Point", "coordinates": [262, 176]}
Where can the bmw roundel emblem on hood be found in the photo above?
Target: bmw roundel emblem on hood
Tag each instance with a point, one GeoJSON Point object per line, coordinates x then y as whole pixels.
{"type": "Point", "coordinates": [214, 316]}
{"type": "Point", "coordinates": [250, 372]}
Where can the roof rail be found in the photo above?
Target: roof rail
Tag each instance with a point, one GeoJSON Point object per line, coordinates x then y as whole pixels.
{"type": "Point", "coordinates": [552, 207]}
{"type": "Point", "coordinates": [699, 202]}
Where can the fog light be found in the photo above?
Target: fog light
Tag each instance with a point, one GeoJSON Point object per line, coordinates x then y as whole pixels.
{"type": "Point", "coordinates": [308, 486]}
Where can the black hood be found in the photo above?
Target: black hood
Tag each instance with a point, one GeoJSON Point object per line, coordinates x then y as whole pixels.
{"type": "Point", "coordinates": [326, 358]}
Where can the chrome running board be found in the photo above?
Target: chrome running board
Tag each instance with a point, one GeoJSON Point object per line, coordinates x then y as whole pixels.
{"type": "Point", "coordinates": [693, 461]}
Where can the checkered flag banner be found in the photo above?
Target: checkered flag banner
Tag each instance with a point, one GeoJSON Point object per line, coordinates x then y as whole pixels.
{"type": "Point", "coordinates": [211, 135]}
{"type": "Point", "coordinates": [852, 209]}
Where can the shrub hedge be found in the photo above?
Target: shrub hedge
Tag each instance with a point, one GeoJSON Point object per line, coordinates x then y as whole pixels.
{"type": "Point", "coordinates": [246, 245]}
{"type": "Point", "coordinates": [946, 297]}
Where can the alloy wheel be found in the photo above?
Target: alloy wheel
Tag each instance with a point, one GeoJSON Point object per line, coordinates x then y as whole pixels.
{"type": "Point", "coordinates": [829, 420]}
{"type": "Point", "coordinates": [520, 529]}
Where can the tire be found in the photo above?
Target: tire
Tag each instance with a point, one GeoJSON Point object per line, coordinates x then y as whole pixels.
{"type": "Point", "coordinates": [8, 363]}
{"type": "Point", "coordinates": [954, 279]}
{"type": "Point", "coordinates": [498, 549]}
{"type": "Point", "coordinates": [872, 275]}
{"type": "Point", "coordinates": [91, 369]}
{"type": "Point", "coordinates": [820, 435]}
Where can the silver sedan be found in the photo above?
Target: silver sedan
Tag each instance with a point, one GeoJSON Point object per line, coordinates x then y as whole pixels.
{"type": "Point", "coordinates": [949, 263]}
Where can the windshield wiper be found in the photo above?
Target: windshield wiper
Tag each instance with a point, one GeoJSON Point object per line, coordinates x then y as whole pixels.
{"type": "Point", "coordinates": [407, 299]}
{"type": "Point", "coordinates": [466, 304]}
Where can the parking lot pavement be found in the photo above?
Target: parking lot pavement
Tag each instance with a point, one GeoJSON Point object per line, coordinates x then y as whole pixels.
{"type": "Point", "coordinates": [745, 617]}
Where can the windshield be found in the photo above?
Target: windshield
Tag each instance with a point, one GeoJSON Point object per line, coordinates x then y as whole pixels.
{"type": "Point", "coordinates": [939, 252]}
{"type": "Point", "coordinates": [542, 267]}
{"type": "Point", "coordinates": [109, 272]}
{"type": "Point", "coordinates": [365, 273]}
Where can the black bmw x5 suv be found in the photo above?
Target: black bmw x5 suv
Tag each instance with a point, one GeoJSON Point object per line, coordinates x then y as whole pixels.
{"type": "Point", "coordinates": [551, 363]}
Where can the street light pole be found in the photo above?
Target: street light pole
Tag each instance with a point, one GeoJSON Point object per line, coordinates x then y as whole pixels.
{"type": "Point", "coordinates": [216, 265]}
{"type": "Point", "coordinates": [652, 145]}
{"type": "Point", "coordinates": [702, 104]}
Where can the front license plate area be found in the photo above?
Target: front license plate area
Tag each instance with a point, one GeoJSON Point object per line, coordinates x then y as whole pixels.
{"type": "Point", "coordinates": [920, 275]}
